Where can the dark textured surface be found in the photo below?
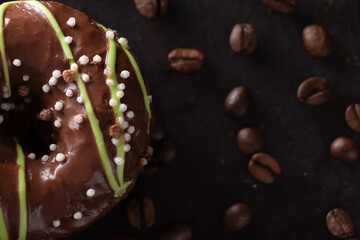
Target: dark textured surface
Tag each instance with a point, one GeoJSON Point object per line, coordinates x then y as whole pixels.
{"type": "Point", "coordinates": [198, 187]}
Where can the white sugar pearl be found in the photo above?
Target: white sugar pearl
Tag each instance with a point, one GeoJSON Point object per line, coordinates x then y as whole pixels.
{"type": "Point", "coordinates": [127, 137]}
{"type": "Point", "coordinates": [58, 106]}
{"type": "Point", "coordinates": [120, 94]}
{"type": "Point", "coordinates": [5, 88]}
{"type": "Point", "coordinates": [46, 88]}
{"type": "Point", "coordinates": [120, 120]}
{"type": "Point", "coordinates": [78, 118]}
{"type": "Point", "coordinates": [56, 223]}
{"type": "Point", "coordinates": [5, 106]}
{"type": "Point", "coordinates": [125, 125]}
{"type": "Point", "coordinates": [90, 192]}
{"type": "Point", "coordinates": [1, 119]}
{"type": "Point", "coordinates": [69, 93]}
{"type": "Point", "coordinates": [74, 67]}
{"type": "Point", "coordinates": [110, 34]}
{"type": "Point", "coordinates": [17, 62]}
{"type": "Point", "coordinates": [57, 123]}
{"type": "Point", "coordinates": [126, 147]}
{"type": "Point", "coordinates": [123, 107]}
{"type": "Point", "coordinates": [71, 22]}
{"type": "Point", "coordinates": [83, 60]}
{"type": "Point", "coordinates": [130, 114]}
{"type": "Point", "coordinates": [125, 74]}
{"type": "Point", "coordinates": [97, 59]}
{"type": "Point", "coordinates": [80, 100]}
{"type": "Point", "coordinates": [107, 71]}
{"type": "Point", "coordinates": [115, 141]}
{"type": "Point", "coordinates": [123, 40]}
{"type": "Point", "coordinates": [53, 81]}
{"type": "Point", "coordinates": [109, 82]}
{"type": "Point", "coordinates": [121, 87]}
{"type": "Point", "coordinates": [68, 39]}
{"type": "Point", "coordinates": [56, 73]}
{"type": "Point", "coordinates": [6, 95]}
{"type": "Point", "coordinates": [26, 78]}
{"type": "Point", "coordinates": [112, 102]}
{"type": "Point", "coordinates": [52, 147]}
{"type": "Point", "coordinates": [60, 157]}
{"type": "Point", "coordinates": [78, 215]}
{"type": "Point", "coordinates": [31, 156]}
{"type": "Point", "coordinates": [119, 161]}
{"type": "Point", "coordinates": [85, 77]}
{"type": "Point", "coordinates": [45, 158]}
{"type": "Point", "coordinates": [150, 98]}
{"type": "Point", "coordinates": [131, 129]}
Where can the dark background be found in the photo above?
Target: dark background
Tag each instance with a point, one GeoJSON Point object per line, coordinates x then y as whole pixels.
{"type": "Point", "coordinates": [209, 173]}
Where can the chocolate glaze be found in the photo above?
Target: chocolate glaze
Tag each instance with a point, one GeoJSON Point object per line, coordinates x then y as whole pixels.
{"type": "Point", "coordinates": [56, 190]}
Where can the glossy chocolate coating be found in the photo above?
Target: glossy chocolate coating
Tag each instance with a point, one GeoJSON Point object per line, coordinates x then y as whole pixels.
{"type": "Point", "coordinates": [56, 190]}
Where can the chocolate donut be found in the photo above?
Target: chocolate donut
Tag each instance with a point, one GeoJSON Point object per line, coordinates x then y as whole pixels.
{"type": "Point", "coordinates": [75, 118]}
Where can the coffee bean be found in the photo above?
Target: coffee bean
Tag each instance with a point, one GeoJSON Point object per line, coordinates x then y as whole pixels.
{"type": "Point", "coordinates": [344, 149]}
{"type": "Point", "coordinates": [282, 6]}
{"type": "Point", "coordinates": [316, 41]}
{"type": "Point", "coordinates": [185, 60]}
{"type": "Point", "coordinates": [179, 231]}
{"type": "Point", "coordinates": [243, 39]}
{"type": "Point", "coordinates": [237, 102]}
{"type": "Point", "coordinates": [141, 213]}
{"type": "Point", "coordinates": [158, 131]}
{"type": "Point", "coordinates": [264, 167]}
{"type": "Point", "coordinates": [352, 116]}
{"type": "Point", "coordinates": [314, 91]}
{"type": "Point", "coordinates": [45, 114]}
{"type": "Point", "coordinates": [237, 216]}
{"type": "Point", "coordinates": [122, 237]}
{"type": "Point", "coordinates": [151, 8]}
{"type": "Point", "coordinates": [167, 152]}
{"type": "Point", "coordinates": [340, 223]}
{"type": "Point", "coordinates": [249, 141]}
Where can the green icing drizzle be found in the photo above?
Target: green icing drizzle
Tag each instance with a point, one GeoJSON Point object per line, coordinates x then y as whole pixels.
{"type": "Point", "coordinates": [92, 118]}
{"type": "Point", "coordinates": [22, 192]}
{"type": "Point", "coordinates": [3, 230]}
{"type": "Point", "coordinates": [141, 81]}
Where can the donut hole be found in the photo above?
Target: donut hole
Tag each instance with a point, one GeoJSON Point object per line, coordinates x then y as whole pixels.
{"type": "Point", "coordinates": [22, 122]}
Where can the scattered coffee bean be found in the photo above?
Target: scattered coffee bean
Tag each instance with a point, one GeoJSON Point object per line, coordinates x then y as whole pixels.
{"type": "Point", "coordinates": [141, 213]}
{"type": "Point", "coordinates": [179, 231]}
{"type": "Point", "coordinates": [352, 116]}
{"type": "Point", "coordinates": [344, 149]}
{"type": "Point", "coordinates": [264, 167]}
{"type": "Point", "coordinates": [281, 6]}
{"type": "Point", "coordinates": [122, 237]}
{"type": "Point", "coordinates": [158, 131]}
{"type": "Point", "coordinates": [23, 90]}
{"type": "Point", "coordinates": [45, 114]}
{"type": "Point", "coordinates": [243, 39]}
{"type": "Point", "coordinates": [340, 223]}
{"type": "Point", "coordinates": [314, 91]}
{"type": "Point", "coordinates": [249, 141]}
{"type": "Point", "coordinates": [237, 102]}
{"type": "Point", "coordinates": [185, 60]}
{"type": "Point", "coordinates": [151, 8]}
{"type": "Point", "coordinates": [167, 152]}
{"type": "Point", "coordinates": [316, 41]}
{"type": "Point", "coordinates": [237, 216]}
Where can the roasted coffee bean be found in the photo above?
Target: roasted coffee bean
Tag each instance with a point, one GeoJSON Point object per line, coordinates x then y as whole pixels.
{"type": "Point", "coordinates": [122, 237]}
{"type": "Point", "coordinates": [237, 216]}
{"type": "Point", "coordinates": [243, 39]}
{"type": "Point", "coordinates": [281, 6]}
{"type": "Point", "coordinates": [237, 102]}
{"type": "Point", "coordinates": [249, 141]}
{"type": "Point", "coordinates": [179, 231]}
{"type": "Point", "coordinates": [344, 149]}
{"type": "Point", "coordinates": [158, 131]}
{"type": "Point", "coordinates": [314, 91]}
{"type": "Point", "coordinates": [141, 213]}
{"type": "Point", "coordinates": [352, 116]}
{"type": "Point", "coordinates": [264, 167]}
{"type": "Point", "coordinates": [151, 8]}
{"type": "Point", "coordinates": [185, 60]}
{"type": "Point", "coordinates": [167, 152]}
{"type": "Point", "coordinates": [340, 223]}
{"type": "Point", "coordinates": [316, 41]}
